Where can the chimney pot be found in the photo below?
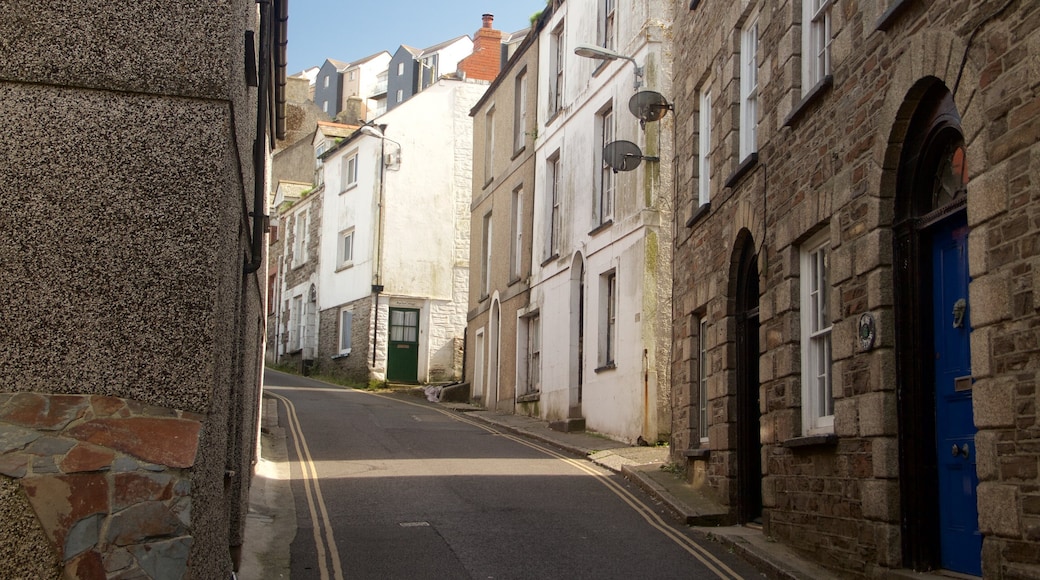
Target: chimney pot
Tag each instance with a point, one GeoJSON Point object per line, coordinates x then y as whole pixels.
{"type": "Point", "coordinates": [488, 19]}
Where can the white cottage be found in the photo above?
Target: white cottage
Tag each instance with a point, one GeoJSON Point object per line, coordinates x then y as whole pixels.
{"type": "Point", "coordinates": [395, 241]}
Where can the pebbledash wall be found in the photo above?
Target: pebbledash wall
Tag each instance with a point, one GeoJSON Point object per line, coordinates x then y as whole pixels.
{"type": "Point", "coordinates": [855, 165]}
{"type": "Point", "coordinates": [132, 338]}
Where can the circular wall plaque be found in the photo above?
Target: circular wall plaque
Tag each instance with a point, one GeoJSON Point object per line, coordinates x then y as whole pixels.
{"type": "Point", "coordinates": [867, 331]}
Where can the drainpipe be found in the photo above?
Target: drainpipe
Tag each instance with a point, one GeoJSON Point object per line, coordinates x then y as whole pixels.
{"type": "Point", "coordinates": [259, 142]}
{"type": "Point", "coordinates": [377, 287]}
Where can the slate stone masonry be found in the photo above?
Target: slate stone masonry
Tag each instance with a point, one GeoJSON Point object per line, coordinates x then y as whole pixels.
{"type": "Point", "coordinates": [106, 478]}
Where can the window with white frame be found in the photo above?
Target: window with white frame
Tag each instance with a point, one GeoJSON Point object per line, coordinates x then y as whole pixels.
{"type": "Point", "coordinates": [326, 82]}
{"type": "Point", "coordinates": [557, 54]}
{"type": "Point", "coordinates": [607, 28]}
{"type": "Point", "coordinates": [350, 171]}
{"type": "Point", "coordinates": [520, 111]}
{"type": "Point", "coordinates": [489, 144]}
{"type": "Point", "coordinates": [749, 88]}
{"type": "Point", "coordinates": [346, 322]}
{"type": "Point", "coordinates": [485, 273]}
{"type": "Point", "coordinates": [552, 246]}
{"type": "Point", "coordinates": [300, 235]}
{"type": "Point", "coordinates": [345, 251]}
{"type": "Point", "coordinates": [350, 75]}
{"type": "Point", "coordinates": [702, 378]}
{"type": "Point", "coordinates": [400, 95]}
{"type": "Point", "coordinates": [704, 149]}
{"type": "Point", "coordinates": [816, 42]}
{"type": "Point", "coordinates": [516, 250]}
{"type": "Point", "coordinates": [817, 396]}
{"type": "Point", "coordinates": [400, 68]}
{"type": "Point", "coordinates": [325, 106]}
{"type": "Point", "coordinates": [607, 177]}
{"type": "Point", "coordinates": [608, 319]}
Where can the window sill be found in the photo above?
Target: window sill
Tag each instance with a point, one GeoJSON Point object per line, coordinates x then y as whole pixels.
{"type": "Point", "coordinates": [602, 227]}
{"type": "Point", "coordinates": [810, 441]}
{"type": "Point", "coordinates": [600, 68]}
{"type": "Point", "coordinates": [341, 355]}
{"type": "Point", "coordinates": [742, 169]}
{"type": "Point", "coordinates": [348, 188]}
{"type": "Point", "coordinates": [346, 266]}
{"type": "Point", "coordinates": [813, 95]}
{"type": "Point", "coordinates": [487, 182]}
{"type": "Point", "coordinates": [553, 116]}
{"type": "Point", "coordinates": [517, 153]}
{"type": "Point", "coordinates": [514, 281]}
{"type": "Point", "coordinates": [607, 367]}
{"type": "Point", "coordinates": [550, 259]}
{"type": "Point", "coordinates": [483, 298]}
{"type": "Point", "coordinates": [702, 453]}
{"type": "Point", "coordinates": [300, 265]}
{"type": "Point", "coordinates": [889, 17]}
{"type": "Point", "coordinates": [699, 214]}
{"type": "Point", "coordinates": [530, 397]}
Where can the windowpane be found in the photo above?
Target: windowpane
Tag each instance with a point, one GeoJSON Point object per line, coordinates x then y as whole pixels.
{"type": "Point", "coordinates": [818, 398]}
{"type": "Point", "coordinates": [702, 378]}
{"type": "Point", "coordinates": [704, 149]}
{"type": "Point", "coordinates": [346, 321]}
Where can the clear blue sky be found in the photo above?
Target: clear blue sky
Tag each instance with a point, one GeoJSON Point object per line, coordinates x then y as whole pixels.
{"type": "Point", "coordinates": [348, 30]}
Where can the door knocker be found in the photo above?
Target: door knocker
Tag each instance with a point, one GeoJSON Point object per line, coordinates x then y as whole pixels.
{"type": "Point", "coordinates": [958, 312]}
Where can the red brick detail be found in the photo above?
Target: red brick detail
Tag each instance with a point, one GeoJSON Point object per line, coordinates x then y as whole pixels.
{"type": "Point", "coordinates": [86, 566]}
{"type": "Point", "coordinates": [131, 488]}
{"type": "Point", "coordinates": [87, 457]}
{"type": "Point", "coordinates": [60, 501]}
{"type": "Point", "coordinates": [485, 62]}
{"type": "Point", "coordinates": [14, 465]}
{"type": "Point", "coordinates": [170, 442]}
{"type": "Point", "coordinates": [45, 412]}
{"type": "Point", "coordinates": [106, 406]}
{"type": "Point", "coordinates": [142, 521]}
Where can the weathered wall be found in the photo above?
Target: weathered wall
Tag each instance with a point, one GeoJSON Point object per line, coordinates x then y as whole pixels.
{"type": "Point", "coordinates": [829, 163]}
{"type": "Point", "coordinates": [121, 265]}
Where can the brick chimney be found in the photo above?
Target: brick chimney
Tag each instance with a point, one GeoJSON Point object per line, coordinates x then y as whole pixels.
{"type": "Point", "coordinates": [486, 59]}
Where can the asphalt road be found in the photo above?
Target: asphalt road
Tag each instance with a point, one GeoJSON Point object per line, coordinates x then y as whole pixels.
{"type": "Point", "coordinates": [396, 487]}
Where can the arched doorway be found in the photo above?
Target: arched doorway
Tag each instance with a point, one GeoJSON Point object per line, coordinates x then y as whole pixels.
{"type": "Point", "coordinates": [577, 332]}
{"type": "Point", "coordinates": [933, 328]}
{"type": "Point", "coordinates": [749, 440]}
{"type": "Point", "coordinates": [494, 340]}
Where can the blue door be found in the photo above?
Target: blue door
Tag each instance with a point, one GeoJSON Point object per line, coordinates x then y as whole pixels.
{"type": "Point", "coordinates": [961, 542]}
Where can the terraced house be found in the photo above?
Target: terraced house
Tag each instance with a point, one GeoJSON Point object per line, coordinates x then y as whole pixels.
{"type": "Point", "coordinates": [856, 277]}
{"type": "Point", "coordinates": [591, 346]}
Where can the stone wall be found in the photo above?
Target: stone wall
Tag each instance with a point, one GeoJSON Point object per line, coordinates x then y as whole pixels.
{"type": "Point", "coordinates": [357, 364]}
{"type": "Point", "coordinates": [829, 162]}
{"type": "Point", "coordinates": [132, 334]}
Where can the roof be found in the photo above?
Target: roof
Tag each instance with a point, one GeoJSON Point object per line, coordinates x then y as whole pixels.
{"type": "Point", "coordinates": [330, 129]}
{"type": "Point", "coordinates": [362, 61]}
{"type": "Point", "coordinates": [439, 46]}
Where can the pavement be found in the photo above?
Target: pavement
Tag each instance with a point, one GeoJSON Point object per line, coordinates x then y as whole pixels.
{"type": "Point", "coordinates": [271, 522]}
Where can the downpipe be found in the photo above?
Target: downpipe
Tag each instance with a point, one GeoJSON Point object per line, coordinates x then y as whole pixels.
{"type": "Point", "coordinates": [260, 218]}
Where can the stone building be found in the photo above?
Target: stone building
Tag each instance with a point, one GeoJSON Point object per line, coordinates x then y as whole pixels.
{"type": "Point", "coordinates": [131, 278]}
{"type": "Point", "coordinates": [856, 277]}
{"type": "Point", "coordinates": [501, 228]}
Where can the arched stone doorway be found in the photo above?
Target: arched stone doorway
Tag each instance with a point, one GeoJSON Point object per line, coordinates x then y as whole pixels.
{"type": "Point", "coordinates": [933, 327]}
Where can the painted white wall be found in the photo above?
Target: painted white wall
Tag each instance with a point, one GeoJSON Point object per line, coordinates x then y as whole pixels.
{"type": "Point", "coordinates": [620, 402]}
{"type": "Point", "coordinates": [426, 218]}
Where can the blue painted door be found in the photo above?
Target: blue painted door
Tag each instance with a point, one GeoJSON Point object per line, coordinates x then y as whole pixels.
{"type": "Point", "coordinates": [961, 542]}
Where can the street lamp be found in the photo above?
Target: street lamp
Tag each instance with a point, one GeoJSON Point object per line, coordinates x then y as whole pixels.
{"type": "Point", "coordinates": [601, 53]}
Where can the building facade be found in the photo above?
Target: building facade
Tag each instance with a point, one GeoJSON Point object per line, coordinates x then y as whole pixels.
{"type": "Point", "coordinates": [395, 241]}
{"type": "Point", "coordinates": [855, 278]}
{"type": "Point", "coordinates": [601, 250]}
{"type": "Point", "coordinates": [502, 334]}
{"type": "Point", "coordinates": [132, 278]}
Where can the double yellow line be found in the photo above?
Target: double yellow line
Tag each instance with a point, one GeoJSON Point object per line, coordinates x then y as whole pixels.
{"type": "Point", "coordinates": [652, 517]}
{"type": "Point", "coordinates": [326, 546]}
{"type": "Point", "coordinates": [315, 499]}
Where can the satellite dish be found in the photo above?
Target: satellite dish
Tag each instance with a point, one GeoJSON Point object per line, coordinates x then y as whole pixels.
{"type": "Point", "coordinates": [622, 155]}
{"type": "Point", "coordinates": [649, 106]}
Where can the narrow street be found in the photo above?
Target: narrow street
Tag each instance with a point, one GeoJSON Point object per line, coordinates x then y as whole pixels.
{"type": "Point", "coordinates": [392, 486]}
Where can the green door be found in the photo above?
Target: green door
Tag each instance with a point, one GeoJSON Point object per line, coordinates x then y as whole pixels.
{"type": "Point", "coordinates": [403, 359]}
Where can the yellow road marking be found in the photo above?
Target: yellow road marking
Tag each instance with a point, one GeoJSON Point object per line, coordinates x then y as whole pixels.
{"type": "Point", "coordinates": [315, 499]}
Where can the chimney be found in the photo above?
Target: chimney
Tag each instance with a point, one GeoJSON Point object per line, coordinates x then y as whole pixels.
{"type": "Point", "coordinates": [486, 59]}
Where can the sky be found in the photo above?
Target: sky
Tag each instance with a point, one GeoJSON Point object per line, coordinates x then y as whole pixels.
{"type": "Point", "coordinates": [348, 30]}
